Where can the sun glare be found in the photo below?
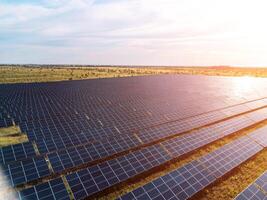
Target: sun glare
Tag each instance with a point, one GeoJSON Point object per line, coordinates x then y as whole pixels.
{"type": "Point", "coordinates": [245, 85]}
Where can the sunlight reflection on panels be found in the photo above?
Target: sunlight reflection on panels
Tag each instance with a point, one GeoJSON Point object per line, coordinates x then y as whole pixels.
{"type": "Point", "coordinates": [244, 85]}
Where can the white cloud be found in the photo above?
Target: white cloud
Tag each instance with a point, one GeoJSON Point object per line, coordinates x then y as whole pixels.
{"type": "Point", "coordinates": [170, 32]}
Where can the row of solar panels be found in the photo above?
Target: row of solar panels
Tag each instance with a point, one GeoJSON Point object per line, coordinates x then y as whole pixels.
{"type": "Point", "coordinates": [55, 132]}
{"type": "Point", "coordinates": [181, 183]}
{"type": "Point", "coordinates": [189, 179]}
{"type": "Point", "coordinates": [66, 127]}
{"type": "Point", "coordinates": [72, 127]}
{"type": "Point", "coordinates": [59, 141]}
{"type": "Point", "coordinates": [118, 143]}
{"type": "Point", "coordinates": [52, 100]}
{"type": "Point", "coordinates": [34, 168]}
{"type": "Point", "coordinates": [72, 157]}
{"type": "Point", "coordinates": [52, 110]}
{"type": "Point", "coordinates": [82, 123]}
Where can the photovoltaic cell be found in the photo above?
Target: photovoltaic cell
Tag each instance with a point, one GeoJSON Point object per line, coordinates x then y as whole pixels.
{"type": "Point", "coordinates": [260, 135]}
{"type": "Point", "coordinates": [24, 171]}
{"type": "Point", "coordinates": [210, 167]}
{"type": "Point", "coordinates": [188, 142]}
{"type": "Point", "coordinates": [179, 184]}
{"type": "Point", "coordinates": [230, 155]}
{"type": "Point", "coordinates": [99, 177]}
{"type": "Point", "coordinates": [54, 189]}
{"type": "Point", "coordinates": [256, 190]}
{"type": "Point", "coordinates": [76, 122]}
{"type": "Point", "coordinates": [71, 157]}
{"type": "Point", "coordinates": [16, 152]}
{"type": "Point", "coordinates": [262, 182]}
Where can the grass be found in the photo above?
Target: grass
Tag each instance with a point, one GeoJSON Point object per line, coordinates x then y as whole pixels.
{"type": "Point", "coordinates": [11, 135]}
{"type": "Point", "coordinates": [26, 74]}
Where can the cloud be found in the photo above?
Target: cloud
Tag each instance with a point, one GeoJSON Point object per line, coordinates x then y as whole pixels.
{"type": "Point", "coordinates": [162, 32]}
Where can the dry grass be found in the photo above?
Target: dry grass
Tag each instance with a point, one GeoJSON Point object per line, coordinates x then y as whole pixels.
{"type": "Point", "coordinates": [11, 135]}
{"type": "Point", "coordinates": [58, 73]}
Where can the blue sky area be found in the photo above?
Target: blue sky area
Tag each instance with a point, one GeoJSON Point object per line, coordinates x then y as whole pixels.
{"type": "Point", "coordinates": [134, 32]}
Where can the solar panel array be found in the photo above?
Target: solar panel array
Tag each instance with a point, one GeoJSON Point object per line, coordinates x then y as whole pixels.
{"type": "Point", "coordinates": [54, 189]}
{"type": "Point", "coordinates": [186, 181]}
{"type": "Point", "coordinates": [174, 147]}
{"type": "Point", "coordinates": [257, 190]}
{"type": "Point", "coordinates": [28, 170]}
{"type": "Point", "coordinates": [16, 152]}
{"type": "Point", "coordinates": [99, 133]}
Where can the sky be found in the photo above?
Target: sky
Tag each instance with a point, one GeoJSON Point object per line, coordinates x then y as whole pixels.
{"type": "Point", "coordinates": [134, 32]}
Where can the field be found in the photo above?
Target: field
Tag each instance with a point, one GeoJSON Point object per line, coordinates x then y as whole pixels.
{"type": "Point", "coordinates": [154, 111]}
{"type": "Point", "coordinates": [24, 74]}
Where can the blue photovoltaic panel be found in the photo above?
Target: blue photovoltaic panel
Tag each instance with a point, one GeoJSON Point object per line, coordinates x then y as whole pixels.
{"type": "Point", "coordinates": [210, 167]}
{"type": "Point", "coordinates": [260, 135]}
{"type": "Point", "coordinates": [22, 172]}
{"type": "Point", "coordinates": [97, 178]}
{"type": "Point", "coordinates": [16, 152]}
{"type": "Point", "coordinates": [54, 189]}
{"type": "Point", "coordinates": [230, 155]}
{"type": "Point", "coordinates": [179, 184]}
{"type": "Point", "coordinates": [257, 190]}
{"type": "Point", "coordinates": [262, 182]}
{"type": "Point", "coordinates": [77, 122]}
{"type": "Point", "coordinates": [6, 122]}
{"type": "Point", "coordinates": [71, 157]}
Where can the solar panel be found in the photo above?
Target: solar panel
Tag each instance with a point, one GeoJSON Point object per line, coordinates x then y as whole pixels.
{"type": "Point", "coordinates": [259, 115]}
{"type": "Point", "coordinates": [158, 132]}
{"type": "Point", "coordinates": [230, 155]}
{"type": "Point", "coordinates": [54, 189]}
{"type": "Point", "coordinates": [58, 142]}
{"type": "Point", "coordinates": [96, 178]}
{"type": "Point", "coordinates": [179, 184]}
{"type": "Point", "coordinates": [77, 122]}
{"type": "Point", "coordinates": [260, 135]}
{"type": "Point", "coordinates": [237, 109]}
{"type": "Point", "coordinates": [256, 104]}
{"type": "Point", "coordinates": [16, 152]}
{"type": "Point", "coordinates": [6, 122]}
{"type": "Point", "coordinates": [90, 152]}
{"type": "Point", "coordinates": [256, 190]}
{"type": "Point", "coordinates": [28, 170]}
{"type": "Point", "coordinates": [262, 182]}
{"type": "Point", "coordinates": [209, 168]}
